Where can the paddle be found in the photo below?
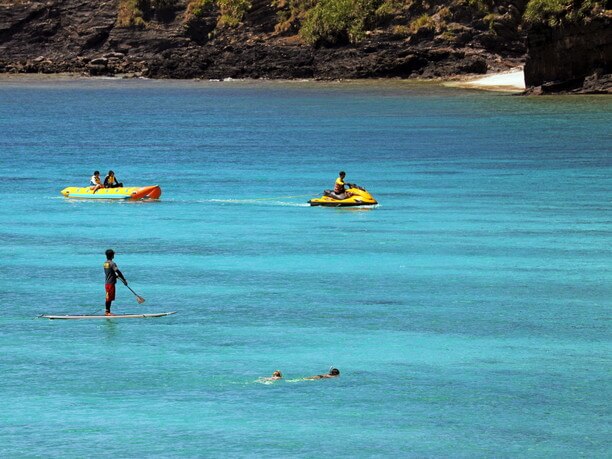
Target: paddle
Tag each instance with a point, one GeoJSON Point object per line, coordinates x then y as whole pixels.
{"type": "Point", "coordinates": [139, 299]}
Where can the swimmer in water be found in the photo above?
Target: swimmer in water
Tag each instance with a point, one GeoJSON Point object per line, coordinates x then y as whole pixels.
{"type": "Point", "coordinates": [333, 373]}
{"type": "Point", "coordinates": [275, 377]}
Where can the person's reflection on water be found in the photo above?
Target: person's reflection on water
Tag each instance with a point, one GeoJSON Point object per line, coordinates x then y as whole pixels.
{"type": "Point", "coordinates": [110, 329]}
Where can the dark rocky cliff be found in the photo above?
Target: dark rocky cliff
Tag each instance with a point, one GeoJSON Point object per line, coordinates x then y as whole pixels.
{"type": "Point", "coordinates": [84, 36]}
{"type": "Point", "coordinates": [570, 58]}
{"type": "Point", "coordinates": [569, 41]}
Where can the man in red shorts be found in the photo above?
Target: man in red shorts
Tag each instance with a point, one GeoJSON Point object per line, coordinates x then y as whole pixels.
{"type": "Point", "coordinates": [111, 271]}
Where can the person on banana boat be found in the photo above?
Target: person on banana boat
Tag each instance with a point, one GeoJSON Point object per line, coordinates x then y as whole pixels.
{"type": "Point", "coordinates": [110, 181]}
{"type": "Point", "coordinates": [95, 183]}
{"type": "Point", "coordinates": [339, 190]}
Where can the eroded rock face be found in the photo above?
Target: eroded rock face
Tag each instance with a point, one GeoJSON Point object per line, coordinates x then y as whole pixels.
{"type": "Point", "coordinates": [573, 58]}
{"type": "Point", "coordinates": [82, 36]}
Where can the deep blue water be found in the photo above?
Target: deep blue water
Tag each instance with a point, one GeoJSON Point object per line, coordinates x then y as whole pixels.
{"type": "Point", "coordinates": [469, 313]}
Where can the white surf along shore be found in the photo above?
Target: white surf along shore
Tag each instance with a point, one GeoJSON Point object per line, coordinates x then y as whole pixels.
{"type": "Point", "coordinates": [510, 81]}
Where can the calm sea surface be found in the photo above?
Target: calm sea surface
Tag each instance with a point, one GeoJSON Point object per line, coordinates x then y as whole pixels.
{"type": "Point", "coordinates": [469, 313]}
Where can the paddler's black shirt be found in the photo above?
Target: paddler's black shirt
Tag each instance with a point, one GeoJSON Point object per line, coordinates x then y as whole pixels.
{"type": "Point", "coordinates": [111, 271]}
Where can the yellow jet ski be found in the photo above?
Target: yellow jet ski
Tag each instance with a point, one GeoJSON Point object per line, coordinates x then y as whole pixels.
{"type": "Point", "coordinates": [356, 196]}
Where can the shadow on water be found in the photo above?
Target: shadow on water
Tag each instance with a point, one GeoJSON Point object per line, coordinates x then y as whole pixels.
{"type": "Point", "coordinates": [110, 329]}
{"type": "Point", "coordinates": [356, 209]}
{"type": "Point", "coordinates": [77, 201]}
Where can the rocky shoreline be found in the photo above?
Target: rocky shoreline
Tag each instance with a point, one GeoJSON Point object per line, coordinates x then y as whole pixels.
{"type": "Point", "coordinates": [575, 59]}
{"type": "Point", "coordinates": [228, 58]}
{"type": "Point", "coordinates": [83, 37]}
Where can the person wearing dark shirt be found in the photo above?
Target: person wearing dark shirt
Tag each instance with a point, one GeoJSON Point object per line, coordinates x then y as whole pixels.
{"type": "Point", "coordinates": [110, 181]}
{"type": "Point", "coordinates": [333, 373]}
{"type": "Point", "coordinates": [111, 271]}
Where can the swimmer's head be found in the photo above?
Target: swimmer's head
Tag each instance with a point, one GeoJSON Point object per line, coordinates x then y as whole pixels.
{"type": "Point", "coordinates": [277, 374]}
{"type": "Point", "coordinates": [334, 372]}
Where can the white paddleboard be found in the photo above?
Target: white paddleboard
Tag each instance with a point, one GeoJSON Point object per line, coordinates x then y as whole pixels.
{"type": "Point", "coordinates": [117, 316]}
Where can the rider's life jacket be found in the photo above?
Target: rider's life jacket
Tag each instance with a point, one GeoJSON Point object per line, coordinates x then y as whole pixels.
{"type": "Point", "coordinates": [339, 186]}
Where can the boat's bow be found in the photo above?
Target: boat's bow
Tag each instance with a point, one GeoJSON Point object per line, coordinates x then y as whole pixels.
{"type": "Point", "coordinates": [147, 192]}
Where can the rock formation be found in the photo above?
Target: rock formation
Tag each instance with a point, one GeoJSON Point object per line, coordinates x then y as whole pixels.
{"type": "Point", "coordinates": [571, 58]}
{"type": "Point", "coordinates": [216, 39]}
{"type": "Point", "coordinates": [84, 36]}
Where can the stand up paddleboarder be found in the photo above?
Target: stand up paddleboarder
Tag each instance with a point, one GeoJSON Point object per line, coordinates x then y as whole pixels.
{"type": "Point", "coordinates": [111, 272]}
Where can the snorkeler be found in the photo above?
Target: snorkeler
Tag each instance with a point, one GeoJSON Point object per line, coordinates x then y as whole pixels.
{"type": "Point", "coordinates": [333, 373]}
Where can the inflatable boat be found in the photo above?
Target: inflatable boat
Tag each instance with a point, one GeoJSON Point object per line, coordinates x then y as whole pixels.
{"type": "Point", "coordinates": [132, 193]}
{"type": "Point", "coordinates": [357, 196]}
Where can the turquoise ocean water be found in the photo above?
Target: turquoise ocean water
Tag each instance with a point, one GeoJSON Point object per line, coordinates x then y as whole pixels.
{"type": "Point", "coordinates": [469, 313]}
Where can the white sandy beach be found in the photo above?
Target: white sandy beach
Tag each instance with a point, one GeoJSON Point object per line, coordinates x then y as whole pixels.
{"type": "Point", "coordinates": [511, 81]}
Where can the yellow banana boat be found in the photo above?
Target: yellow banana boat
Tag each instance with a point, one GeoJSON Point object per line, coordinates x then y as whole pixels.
{"type": "Point", "coordinates": [357, 196]}
{"type": "Point", "coordinates": [131, 193]}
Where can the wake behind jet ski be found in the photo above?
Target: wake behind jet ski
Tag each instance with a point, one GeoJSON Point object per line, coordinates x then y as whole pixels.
{"type": "Point", "coordinates": [343, 197]}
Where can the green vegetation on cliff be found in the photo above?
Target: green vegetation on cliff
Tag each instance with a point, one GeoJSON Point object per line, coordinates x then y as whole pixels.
{"type": "Point", "coordinates": [197, 8]}
{"type": "Point", "coordinates": [557, 12]}
{"type": "Point", "coordinates": [232, 11]}
{"type": "Point", "coordinates": [338, 21]}
{"type": "Point", "coordinates": [131, 13]}
{"type": "Point", "coordinates": [346, 21]}
{"type": "Point", "coordinates": [291, 13]}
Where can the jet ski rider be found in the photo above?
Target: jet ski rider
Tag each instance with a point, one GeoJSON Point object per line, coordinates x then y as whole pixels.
{"type": "Point", "coordinates": [339, 191]}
